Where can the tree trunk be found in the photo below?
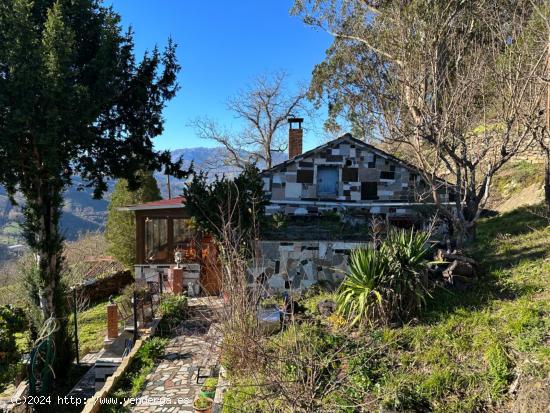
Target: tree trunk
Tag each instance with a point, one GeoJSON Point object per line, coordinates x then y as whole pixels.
{"type": "Point", "coordinates": [465, 233]}
{"type": "Point", "coordinates": [547, 180]}
{"type": "Point", "coordinates": [48, 248]}
{"type": "Point", "coordinates": [41, 229]}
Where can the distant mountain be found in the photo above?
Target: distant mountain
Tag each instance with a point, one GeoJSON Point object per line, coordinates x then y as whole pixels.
{"type": "Point", "coordinates": [82, 213]}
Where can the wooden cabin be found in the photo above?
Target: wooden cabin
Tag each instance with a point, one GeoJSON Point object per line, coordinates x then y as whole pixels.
{"type": "Point", "coordinates": [163, 228]}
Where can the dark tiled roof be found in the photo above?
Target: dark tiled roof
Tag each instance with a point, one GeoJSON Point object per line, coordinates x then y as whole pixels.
{"type": "Point", "coordinates": [100, 267]}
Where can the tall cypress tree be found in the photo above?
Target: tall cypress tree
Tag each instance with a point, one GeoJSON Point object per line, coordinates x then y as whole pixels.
{"type": "Point", "coordinates": [74, 99]}
{"type": "Point", "coordinates": [121, 226]}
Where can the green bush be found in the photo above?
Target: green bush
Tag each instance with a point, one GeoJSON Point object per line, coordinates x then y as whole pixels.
{"type": "Point", "coordinates": [360, 295]}
{"type": "Point", "coordinates": [173, 309]}
{"type": "Point", "coordinates": [387, 284]}
{"type": "Point", "coordinates": [311, 303]}
{"type": "Point", "coordinates": [12, 321]}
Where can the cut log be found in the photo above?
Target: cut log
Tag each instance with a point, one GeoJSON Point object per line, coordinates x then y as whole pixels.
{"type": "Point", "coordinates": [442, 255]}
{"type": "Point", "coordinates": [460, 268]}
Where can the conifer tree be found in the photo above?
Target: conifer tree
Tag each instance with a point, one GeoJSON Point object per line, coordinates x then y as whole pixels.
{"type": "Point", "coordinates": [73, 100]}
{"type": "Point", "coordinates": [121, 226]}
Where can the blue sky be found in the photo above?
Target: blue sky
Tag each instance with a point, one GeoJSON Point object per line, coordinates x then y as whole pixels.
{"type": "Point", "coordinates": [222, 46]}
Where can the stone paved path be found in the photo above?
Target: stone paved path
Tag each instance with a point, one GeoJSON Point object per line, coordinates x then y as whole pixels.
{"type": "Point", "coordinates": [195, 343]}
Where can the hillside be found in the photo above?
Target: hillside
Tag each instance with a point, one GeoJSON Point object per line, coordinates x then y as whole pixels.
{"type": "Point", "coordinates": [479, 347]}
{"type": "Point", "coordinates": [517, 184]}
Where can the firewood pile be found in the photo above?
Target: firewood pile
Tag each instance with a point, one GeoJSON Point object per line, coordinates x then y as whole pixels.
{"type": "Point", "coordinates": [455, 268]}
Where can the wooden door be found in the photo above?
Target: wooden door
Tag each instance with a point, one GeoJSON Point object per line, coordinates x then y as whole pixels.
{"type": "Point", "coordinates": [210, 268]}
{"type": "Point", "coordinates": [327, 181]}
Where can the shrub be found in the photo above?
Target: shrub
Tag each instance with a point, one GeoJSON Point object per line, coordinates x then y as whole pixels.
{"type": "Point", "coordinates": [405, 285]}
{"type": "Point", "coordinates": [386, 284]}
{"type": "Point", "coordinates": [360, 295]}
{"type": "Point", "coordinates": [311, 303]}
{"type": "Point", "coordinates": [12, 320]}
{"type": "Point", "coordinates": [173, 306]}
{"type": "Point", "coordinates": [173, 309]}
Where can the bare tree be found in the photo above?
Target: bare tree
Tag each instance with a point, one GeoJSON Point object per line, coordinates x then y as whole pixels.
{"type": "Point", "coordinates": [544, 140]}
{"type": "Point", "coordinates": [264, 108]}
{"type": "Point", "coordinates": [457, 83]}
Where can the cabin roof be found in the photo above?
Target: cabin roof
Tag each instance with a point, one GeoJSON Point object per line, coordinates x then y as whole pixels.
{"type": "Point", "coordinates": [177, 202]}
{"type": "Point", "coordinates": [349, 138]}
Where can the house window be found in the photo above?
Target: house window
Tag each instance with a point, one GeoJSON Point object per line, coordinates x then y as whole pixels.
{"type": "Point", "coordinates": [369, 190]}
{"type": "Point", "coordinates": [327, 181]}
{"type": "Point", "coordinates": [304, 176]}
{"type": "Point", "coordinates": [387, 175]}
{"type": "Point", "coordinates": [156, 239]}
{"type": "Point", "coordinates": [350, 174]}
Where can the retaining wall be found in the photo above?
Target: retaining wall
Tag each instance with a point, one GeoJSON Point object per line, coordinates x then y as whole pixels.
{"type": "Point", "coordinates": [285, 265]}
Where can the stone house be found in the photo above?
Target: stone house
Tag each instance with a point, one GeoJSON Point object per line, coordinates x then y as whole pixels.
{"type": "Point", "coordinates": [346, 174]}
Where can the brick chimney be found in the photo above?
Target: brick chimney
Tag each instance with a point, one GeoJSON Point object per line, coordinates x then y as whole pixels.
{"type": "Point", "coordinates": [295, 135]}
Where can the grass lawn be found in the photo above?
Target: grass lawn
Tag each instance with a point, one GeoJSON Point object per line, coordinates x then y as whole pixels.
{"type": "Point", "coordinates": [467, 348]}
{"type": "Point", "coordinates": [92, 326]}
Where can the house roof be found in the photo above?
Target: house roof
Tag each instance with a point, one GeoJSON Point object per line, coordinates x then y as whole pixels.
{"type": "Point", "coordinates": [355, 141]}
{"type": "Point", "coordinates": [100, 267]}
{"type": "Point", "coordinates": [177, 202]}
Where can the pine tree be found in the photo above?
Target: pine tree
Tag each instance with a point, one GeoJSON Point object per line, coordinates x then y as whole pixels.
{"type": "Point", "coordinates": [121, 226]}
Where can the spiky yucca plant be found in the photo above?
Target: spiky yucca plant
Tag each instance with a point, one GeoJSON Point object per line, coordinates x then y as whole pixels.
{"type": "Point", "coordinates": [406, 283]}
{"type": "Point", "coordinates": [388, 284]}
{"type": "Point", "coordinates": [359, 296]}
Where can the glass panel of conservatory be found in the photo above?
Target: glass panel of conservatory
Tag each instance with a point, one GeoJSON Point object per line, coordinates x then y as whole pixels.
{"type": "Point", "coordinates": [156, 240]}
{"type": "Point", "coordinates": [184, 238]}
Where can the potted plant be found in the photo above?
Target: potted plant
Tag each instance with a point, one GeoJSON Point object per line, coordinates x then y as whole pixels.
{"type": "Point", "coordinates": [203, 405]}
{"type": "Point", "coordinates": [208, 388]}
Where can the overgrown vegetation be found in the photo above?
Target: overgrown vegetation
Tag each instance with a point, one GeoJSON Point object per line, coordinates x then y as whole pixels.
{"type": "Point", "coordinates": [173, 309]}
{"type": "Point", "coordinates": [133, 380]}
{"type": "Point", "coordinates": [468, 351]}
{"type": "Point", "coordinates": [239, 202]}
{"type": "Point", "coordinates": [389, 283]}
{"type": "Point", "coordinates": [12, 321]}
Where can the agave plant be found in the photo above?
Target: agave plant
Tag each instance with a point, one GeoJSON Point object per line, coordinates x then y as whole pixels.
{"type": "Point", "coordinates": [407, 281]}
{"type": "Point", "coordinates": [389, 283]}
{"type": "Point", "coordinates": [359, 297]}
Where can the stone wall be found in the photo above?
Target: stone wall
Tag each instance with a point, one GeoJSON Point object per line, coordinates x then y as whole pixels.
{"type": "Point", "coordinates": [285, 265]}
{"type": "Point", "coordinates": [96, 290]}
